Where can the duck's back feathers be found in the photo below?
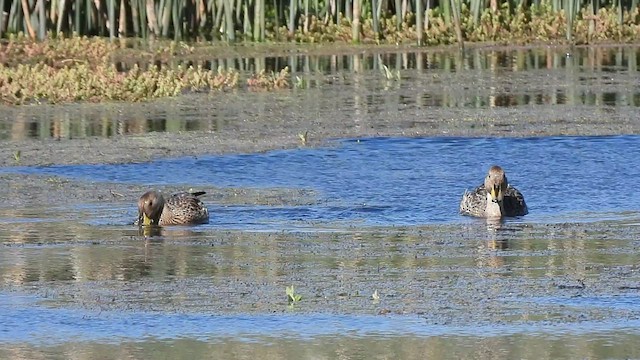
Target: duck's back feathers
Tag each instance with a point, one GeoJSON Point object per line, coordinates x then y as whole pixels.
{"type": "Point", "coordinates": [474, 202]}
{"type": "Point", "coordinates": [184, 208]}
{"type": "Point", "coordinates": [514, 204]}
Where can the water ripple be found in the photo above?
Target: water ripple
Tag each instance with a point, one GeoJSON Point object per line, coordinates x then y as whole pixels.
{"type": "Point", "coordinates": [21, 316]}
{"type": "Point", "coordinates": [407, 181]}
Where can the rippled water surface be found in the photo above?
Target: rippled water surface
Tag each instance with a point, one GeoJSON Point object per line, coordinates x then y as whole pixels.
{"type": "Point", "coordinates": [404, 181]}
{"type": "Point", "coordinates": [366, 229]}
{"type": "Point", "coordinates": [426, 85]}
{"type": "Point", "coordinates": [382, 260]}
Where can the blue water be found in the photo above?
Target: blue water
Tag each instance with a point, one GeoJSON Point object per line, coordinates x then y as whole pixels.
{"type": "Point", "coordinates": [22, 320]}
{"type": "Point", "coordinates": [404, 181]}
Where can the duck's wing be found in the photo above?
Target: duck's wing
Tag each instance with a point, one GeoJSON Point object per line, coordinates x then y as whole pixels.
{"type": "Point", "coordinates": [474, 202]}
{"type": "Point", "coordinates": [514, 204]}
{"type": "Point", "coordinates": [185, 208]}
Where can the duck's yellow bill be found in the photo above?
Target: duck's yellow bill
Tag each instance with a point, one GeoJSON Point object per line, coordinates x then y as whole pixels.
{"type": "Point", "coordinates": [495, 193]}
{"type": "Point", "coordinates": [146, 221]}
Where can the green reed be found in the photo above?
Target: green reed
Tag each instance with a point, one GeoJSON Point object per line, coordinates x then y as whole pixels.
{"type": "Point", "coordinates": [304, 20]}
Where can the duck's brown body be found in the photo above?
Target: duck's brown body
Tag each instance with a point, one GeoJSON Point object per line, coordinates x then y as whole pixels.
{"type": "Point", "coordinates": [495, 198]}
{"type": "Point", "coordinates": [183, 208]}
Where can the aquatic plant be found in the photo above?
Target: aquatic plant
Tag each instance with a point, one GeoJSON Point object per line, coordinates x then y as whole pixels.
{"type": "Point", "coordinates": [375, 297]}
{"type": "Point", "coordinates": [82, 69]}
{"type": "Point", "coordinates": [16, 156]}
{"type": "Point", "coordinates": [292, 297]}
{"type": "Point", "coordinates": [390, 74]}
{"type": "Point", "coordinates": [57, 53]}
{"type": "Point", "coordinates": [304, 138]}
{"type": "Point", "coordinates": [86, 82]}
{"type": "Point", "coordinates": [300, 83]}
{"type": "Point", "coordinates": [269, 80]}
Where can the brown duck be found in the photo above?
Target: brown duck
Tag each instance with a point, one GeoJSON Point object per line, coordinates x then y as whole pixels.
{"type": "Point", "coordinates": [183, 208]}
{"type": "Point", "coordinates": [494, 199]}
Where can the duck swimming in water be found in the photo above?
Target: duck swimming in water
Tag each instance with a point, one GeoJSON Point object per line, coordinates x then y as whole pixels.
{"type": "Point", "coordinates": [494, 199]}
{"type": "Point", "coordinates": [183, 208]}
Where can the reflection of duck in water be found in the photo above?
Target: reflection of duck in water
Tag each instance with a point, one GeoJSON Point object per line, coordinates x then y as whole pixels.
{"type": "Point", "coordinates": [183, 208]}
{"type": "Point", "coordinates": [495, 199]}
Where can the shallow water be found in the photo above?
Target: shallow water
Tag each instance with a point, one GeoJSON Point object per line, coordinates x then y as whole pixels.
{"type": "Point", "coordinates": [520, 291]}
{"type": "Point", "coordinates": [422, 86]}
{"type": "Point", "coordinates": [366, 229]}
{"type": "Point", "coordinates": [400, 181]}
{"type": "Point", "coordinates": [313, 335]}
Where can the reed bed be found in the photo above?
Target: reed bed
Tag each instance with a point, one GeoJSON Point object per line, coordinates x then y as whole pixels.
{"type": "Point", "coordinates": [370, 21]}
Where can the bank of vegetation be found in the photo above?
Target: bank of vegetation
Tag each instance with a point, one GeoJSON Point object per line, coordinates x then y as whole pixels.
{"type": "Point", "coordinates": [84, 69]}
{"type": "Point", "coordinates": [64, 50]}
{"type": "Point", "coordinates": [368, 21]}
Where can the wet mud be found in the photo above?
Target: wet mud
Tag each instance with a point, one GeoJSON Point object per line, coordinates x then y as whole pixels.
{"type": "Point", "coordinates": [263, 122]}
{"type": "Point", "coordinates": [443, 274]}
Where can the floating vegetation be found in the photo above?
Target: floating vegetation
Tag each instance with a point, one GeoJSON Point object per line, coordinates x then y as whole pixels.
{"type": "Point", "coordinates": [56, 53]}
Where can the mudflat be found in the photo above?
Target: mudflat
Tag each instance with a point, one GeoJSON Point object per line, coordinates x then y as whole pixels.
{"type": "Point", "coordinates": [261, 122]}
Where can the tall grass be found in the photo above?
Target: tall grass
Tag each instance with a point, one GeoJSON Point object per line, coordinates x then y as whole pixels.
{"type": "Point", "coordinates": [250, 20]}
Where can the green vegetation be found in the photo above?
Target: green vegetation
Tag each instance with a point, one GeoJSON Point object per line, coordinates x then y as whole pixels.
{"type": "Point", "coordinates": [83, 69]}
{"type": "Point", "coordinates": [389, 74]}
{"type": "Point", "coordinates": [319, 21]}
{"type": "Point", "coordinates": [292, 297]}
{"type": "Point", "coordinates": [265, 80]}
{"type": "Point", "coordinates": [86, 82]}
{"type": "Point", "coordinates": [304, 138]}
{"type": "Point", "coordinates": [64, 67]}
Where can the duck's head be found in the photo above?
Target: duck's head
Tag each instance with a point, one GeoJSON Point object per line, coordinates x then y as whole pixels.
{"type": "Point", "coordinates": [150, 206]}
{"type": "Point", "coordinates": [496, 184]}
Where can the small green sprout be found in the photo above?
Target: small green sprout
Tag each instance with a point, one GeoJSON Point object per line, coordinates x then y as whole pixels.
{"type": "Point", "coordinates": [292, 297]}
{"type": "Point", "coordinates": [375, 297]}
{"type": "Point", "coordinates": [304, 138]}
{"type": "Point", "coordinates": [300, 83]}
{"type": "Point", "coordinates": [389, 74]}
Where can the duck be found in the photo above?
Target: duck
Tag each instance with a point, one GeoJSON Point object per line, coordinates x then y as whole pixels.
{"type": "Point", "coordinates": [496, 198]}
{"type": "Point", "coordinates": [182, 208]}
